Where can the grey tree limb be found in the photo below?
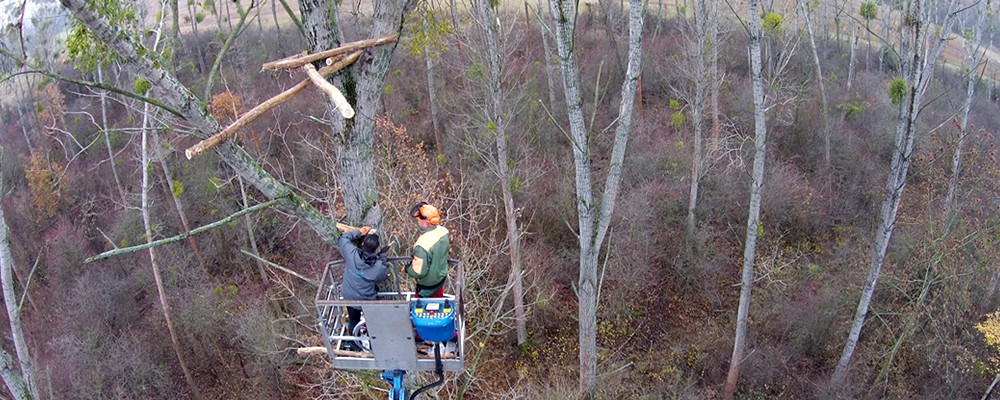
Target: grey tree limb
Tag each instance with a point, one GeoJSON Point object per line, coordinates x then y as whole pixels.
{"type": "Point", "coordinates": [185, 235]}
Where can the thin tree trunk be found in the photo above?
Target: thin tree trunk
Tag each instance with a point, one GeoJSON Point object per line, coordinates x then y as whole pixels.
{"type": "Point", "coordinates": [199, 56]}
{"type": "Point", "coordinates": [973, 57]}
{"type": "Point", "coordinates": [714, 77]}
{"type": "Point", "coordinates": [147, 224]}
{"type": "Point", "coordinates": [918, 69]}
{"type": "Point", "coordinates": [756, 189]}
{"type": "Point", "coordinates": [26, 385]}
{"type": "Point", "coordinates": [594, 219]}
{"type": "Point", "coordinates": [107, 132]}
{"type": "Point", "coordinates": [822, 87]}
{"type": "Point", "coordinates": [250, 235]}
{"type": "Point", "coordinates": [697, 105]}
{"type": "Point", "coordinates": [550, 66]}
{"type": "Point", "coordinates": [850, 64]}
{"type": "Point", "coordinates": [274, 14]}
{"type": "Point", "coordinates": [178, 205]}
{"type": "Point", "coordinates": [989, 390]}
{"type": "Point", "coordinates": [432, 97]}
{"type": "Point", "coordinates": [490, 22]}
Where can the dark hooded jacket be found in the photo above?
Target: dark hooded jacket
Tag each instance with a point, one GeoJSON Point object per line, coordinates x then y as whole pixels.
{"type": "Point", "coordinates": [362, 271]}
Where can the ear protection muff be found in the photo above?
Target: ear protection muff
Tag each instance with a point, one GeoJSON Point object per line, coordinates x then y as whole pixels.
{"type": "Point", "coordinates": [426, 212]}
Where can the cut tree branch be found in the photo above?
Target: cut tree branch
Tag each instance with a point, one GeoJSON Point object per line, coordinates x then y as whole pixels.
{"type": "Point", "coordinates": [337, 98]}
{"type": "Point", "coordinates": [251, 115]}
{"type": "Point", "coordinates": [297, 62]}
{"type": "Point", "coordinates": [184, 235]}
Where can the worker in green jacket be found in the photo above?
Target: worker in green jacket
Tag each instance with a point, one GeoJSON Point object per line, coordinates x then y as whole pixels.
{"type": "Point", "coordinates": [430, 253]}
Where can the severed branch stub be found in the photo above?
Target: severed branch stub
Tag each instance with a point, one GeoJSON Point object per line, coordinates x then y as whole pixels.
{"type": "Point", "coordinates": [337, 98]}
{"type": "Point", "coordinates": [251, 115]}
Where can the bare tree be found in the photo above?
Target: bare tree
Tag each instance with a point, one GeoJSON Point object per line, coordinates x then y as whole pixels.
{"type": "Point", "coordinates": [593, 218]}
{"type": "Point", "coordinates": [22, 385]}
{"type": "Point", "coordinates": [147, 224]}
{"type": "Point", "coordinates": [700, 55]}
{"type": "Point", "coordinates": [824, 106]}
{"type": "Point", "coordinates": [756, 187]}
{"type": "Point", "coordinates": [497, 99]}
{"type": "Point", "coordinates": [146, 161]}
{"type": "Point", "coordinates": [974, 52]}
{"type": "Point", "coordinates": [923, 39]}
{"type": "Point", "coordinates": [106, 132]}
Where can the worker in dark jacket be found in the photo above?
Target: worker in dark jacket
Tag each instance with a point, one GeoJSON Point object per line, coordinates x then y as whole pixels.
{"type": "Point", "coordinates": [430, 253]}
{"type": "Point", "coordinates": [364, 267]}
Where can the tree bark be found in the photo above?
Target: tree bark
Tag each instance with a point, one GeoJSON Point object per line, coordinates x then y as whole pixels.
{"type": "Point", "coordinates": [168, 180]}
{"type": "Point", "coordinates": [974, 53]}
{"type": "Point", "coordinates": [550, 67]}
{"type": "Point", "coordinates": [697, 106]}
{"type": "Point", "coordinates": [363, 84]}
{"type": "Point", "coordinates": [918, 68]}
{"type": "Point", "coordinates": [756, 188]}
{"type": "Point", "coordinates": [432, 96]}
{"type": "Point", "coordinates": [147, 224]}
{"type": "Point", "coordinates": [195, 112]}
{"type": "Point", "coordinates": [714, 77]}
{"type": "Point", "coordinates": [23, 385]}
{"type": "Point", "coordinates": [850, 64]}
{"type": "Point", "coordinates": [106, 132]}
{"type": "Point", "coordinates": [594, 219]}
{"type": "Point", "coordinates": [824, 106]}
{"type": "Point", "coordinates": [15, 383]}
{"type": "Point", "coordinates": [490, 20]}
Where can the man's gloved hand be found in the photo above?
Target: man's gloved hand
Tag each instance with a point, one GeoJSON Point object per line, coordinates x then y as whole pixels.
{"type": "Point", "coordinates": [365, 229]}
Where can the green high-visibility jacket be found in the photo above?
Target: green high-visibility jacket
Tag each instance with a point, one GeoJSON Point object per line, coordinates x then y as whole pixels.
{"type": "Point", "coordinates": [430, 259]}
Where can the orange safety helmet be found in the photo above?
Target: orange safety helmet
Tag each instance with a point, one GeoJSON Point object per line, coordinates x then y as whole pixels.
{"type": "Point", "coordinates": [426, 212]}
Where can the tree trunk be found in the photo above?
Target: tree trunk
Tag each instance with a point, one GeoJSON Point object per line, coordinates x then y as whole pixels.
{"type": "Point", "coordinates": [13, 380]}
{"type": "Point", "coordinates": [973, 57]}
{"type": "Point", "coordinates": [918, 69]}
{"type": "Point", "coordinates": [850, 64]}
{"type": "Point", "coordinates": [23, 384]}
{"type": "Point", "coordinates": [432, 98]}
{"type": "Point", "coordinates": [274, 14]}
{"type": "Point", "coordinates": [168, 180]}
{"type": "Point", "coordinates": [147, 224]}
{"type": "Point", "coordinates": [714, 78]}
{"type": "Point", "coordinates": [822, 87]}
{"type": "Point", "coordinates": [199, 55]}
{"type": "Point", "coordinates": [363, 85]}
{"type": "Point", "coordinates": [594, 219]}
{"type": "Point", "coordinates": [490, 20]}
{"type": "Point", "coordinates": [753, 219]}
{"type": "Point", "coordinates": [106, 132]}
{"type": "Point", "coordinates": [250, 235]}
{"type": "Point", "coordinates": [550, 67]}
{"type": "Point", "coordinates": [697, 105]}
